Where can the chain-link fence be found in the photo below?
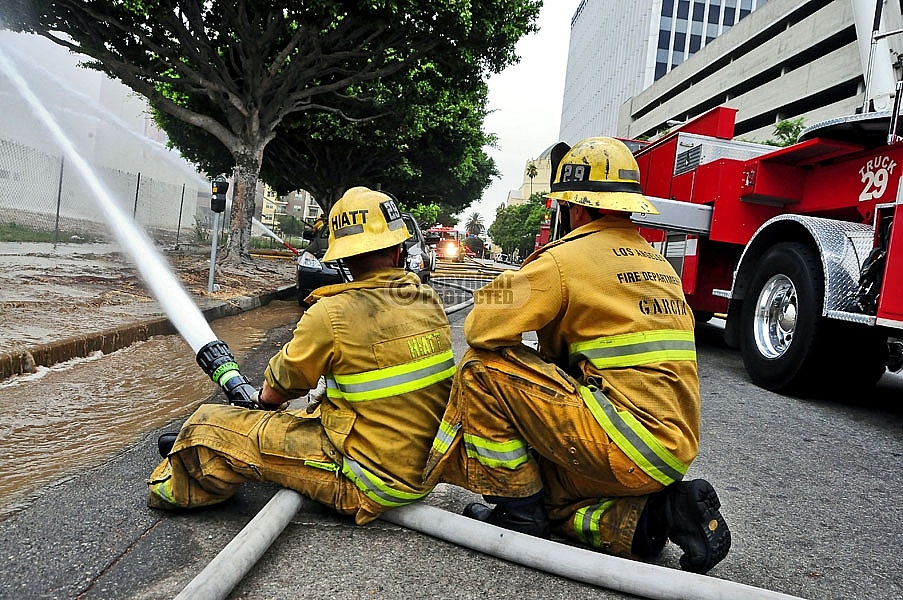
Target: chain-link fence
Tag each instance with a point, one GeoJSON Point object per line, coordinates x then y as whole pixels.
{"type": "Point", "coordinates": [44, 192]}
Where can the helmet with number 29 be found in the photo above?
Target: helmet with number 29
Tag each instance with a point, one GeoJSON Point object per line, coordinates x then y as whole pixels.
{"type": "Point", "coordinates": [363, 221]}
{"type": "Point", "coordinates": [599, 172]}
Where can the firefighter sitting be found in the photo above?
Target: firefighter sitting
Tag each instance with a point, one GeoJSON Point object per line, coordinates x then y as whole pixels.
{"type": "Point", "coordinates": [591, 436]}
{"type": "Point", "coordinates": [384, 345]}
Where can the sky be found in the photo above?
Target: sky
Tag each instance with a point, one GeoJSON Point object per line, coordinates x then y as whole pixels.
{"type": "Point", "coordinates": [525, 100]}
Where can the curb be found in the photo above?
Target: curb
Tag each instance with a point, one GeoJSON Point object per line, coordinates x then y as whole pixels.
{"type": "Point", "coordinates": [110, 340]}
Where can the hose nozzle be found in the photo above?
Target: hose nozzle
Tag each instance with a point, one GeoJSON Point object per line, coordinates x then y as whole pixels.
{"type": "Point", "coordinates": [218, 363]}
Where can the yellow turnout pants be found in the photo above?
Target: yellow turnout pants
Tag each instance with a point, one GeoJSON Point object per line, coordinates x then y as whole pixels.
{"type": "Point", "coordinates": [221, 447]}
{"type": "Point", "coordinates": [516, 425]}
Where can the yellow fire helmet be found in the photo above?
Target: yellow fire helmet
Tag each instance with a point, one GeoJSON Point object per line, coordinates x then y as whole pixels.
{"type": "Point", "coordinates": [599, 172]}
{"type": "Point", "coordinates": [363, 221]}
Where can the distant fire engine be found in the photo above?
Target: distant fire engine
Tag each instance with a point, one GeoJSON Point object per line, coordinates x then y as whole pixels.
{"type": "Point", "coordinates": [449, 245]}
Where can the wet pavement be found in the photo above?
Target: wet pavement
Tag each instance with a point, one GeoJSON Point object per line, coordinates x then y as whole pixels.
{"type": "Point", "coordinates": [88, 534]}
{"type": "Point", "coordinates": [68, 278]}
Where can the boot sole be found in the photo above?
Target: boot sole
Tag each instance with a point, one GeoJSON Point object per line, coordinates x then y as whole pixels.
{"type": "Point", "coordinates": [712, 526]}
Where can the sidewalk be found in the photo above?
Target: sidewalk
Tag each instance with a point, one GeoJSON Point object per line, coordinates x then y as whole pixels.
{"type": "Point", "coordinates": [100, 304]}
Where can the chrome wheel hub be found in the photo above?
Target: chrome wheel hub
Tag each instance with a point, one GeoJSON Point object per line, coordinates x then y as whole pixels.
{"type": "Point", "coordinates": [774, 323]}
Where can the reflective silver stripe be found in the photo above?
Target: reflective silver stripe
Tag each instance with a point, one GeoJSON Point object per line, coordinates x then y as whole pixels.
{"type": "Point", "coordinates": [633, 439]}
{"type": "Point", "coordinates": [632, 349]}
{"type": "Point", "coordinates": [348, 230]}
{"type": "Point", "coordinates": [386, 382]}
{"type": "Point", "coordinates": [510, 454]}
{"type": "Point", "coordinates": [445, 436]}
{"type": "Point", "coordinates": [586, 521]}
{"type": "Point", "coordinates": [373, 487]}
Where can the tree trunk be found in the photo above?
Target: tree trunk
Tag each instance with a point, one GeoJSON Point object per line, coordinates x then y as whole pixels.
{"type": "Point", "coordinates": [244, 194]}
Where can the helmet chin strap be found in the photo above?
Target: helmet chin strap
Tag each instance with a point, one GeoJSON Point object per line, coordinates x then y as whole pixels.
{"type": "Point", "coordinates": [564, 219]}
{"type": "Point", "coordinates": [340, 263]}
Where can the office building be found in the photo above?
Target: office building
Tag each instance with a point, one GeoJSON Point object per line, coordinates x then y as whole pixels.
{"type": "Point", "coordinates": [786, 60]}
{"type": "Point", "coordinates": [615, 53]}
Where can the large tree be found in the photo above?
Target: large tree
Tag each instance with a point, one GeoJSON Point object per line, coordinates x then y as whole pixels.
{"type": "Point", "coordinates": [426, 143]}
{"type": "Point", "coordinates": [255, 63]}
{"type": "Point", "coordinates": [515, 227]}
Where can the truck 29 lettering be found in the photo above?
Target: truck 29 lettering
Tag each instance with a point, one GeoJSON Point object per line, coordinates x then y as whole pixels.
{"type": "Point", "coordinates": [875, 175]}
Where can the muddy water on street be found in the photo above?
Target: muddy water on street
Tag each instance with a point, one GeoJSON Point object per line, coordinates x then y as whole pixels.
{"type": "Point", "coordinates": [60, 420]}
{"type": "Point", "coordinates": [87, 287]}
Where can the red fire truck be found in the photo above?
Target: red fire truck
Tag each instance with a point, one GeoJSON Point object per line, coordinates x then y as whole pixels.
{"type": "Point", "coordinates": [796, 246]}
{"type": "Point", "coordinates": [449, 245]}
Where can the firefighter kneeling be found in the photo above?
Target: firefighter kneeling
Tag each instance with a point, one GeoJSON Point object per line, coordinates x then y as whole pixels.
{"type": "Point", "coordinates": [362, 450]}
{"type": "Point", "coordinates": [592, 435]}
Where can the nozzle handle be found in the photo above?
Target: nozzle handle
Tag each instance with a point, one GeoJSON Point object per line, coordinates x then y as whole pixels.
{"type": "Point", "coordinates": [219, 364]}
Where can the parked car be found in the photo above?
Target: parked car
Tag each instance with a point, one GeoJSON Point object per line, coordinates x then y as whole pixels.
{"type": "Point", "coordinates": [502, 258]}
{"type": "Point", "coordinates": [314, 272]}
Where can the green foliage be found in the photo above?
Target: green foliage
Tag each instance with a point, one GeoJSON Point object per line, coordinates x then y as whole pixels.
{"type": "Point", "coordinates": [14, 232]}
{"type": "Point", "coordinates": [290, 225]}
{"type": "Point", "coordinates": [426, 215]}
{"type": "Point", "coordinates": [516, 227]}
{"type": "Point", "coordinates": [786, 132]}
{"type": "Point", "coordinates": [475, 244]}
{"type": "Point", "coordinates": [426, 147]}
{"type": "Point", "coordinates": [200, 230]}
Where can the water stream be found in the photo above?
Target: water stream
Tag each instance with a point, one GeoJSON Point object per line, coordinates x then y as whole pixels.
{"type": "Point", "coordinates": [114, 397]}
{"type": "Point", "coordinates": [175, 301]}
{"type": "Point", "coordinates": [272, 234]}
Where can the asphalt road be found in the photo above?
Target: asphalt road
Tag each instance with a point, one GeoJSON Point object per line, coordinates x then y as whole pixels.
{"type": "Point", "coordinates": [809, 488]}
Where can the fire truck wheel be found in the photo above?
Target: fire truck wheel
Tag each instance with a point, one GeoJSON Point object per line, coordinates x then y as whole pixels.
{"type": "Point", "coordinates": [781, 318]}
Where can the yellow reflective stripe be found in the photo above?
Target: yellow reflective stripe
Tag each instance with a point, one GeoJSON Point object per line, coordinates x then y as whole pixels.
{"type": "Point", "coordinates": [586, 522]}
{"type": "Point", "coordinates": [444, 437]}
{"type": "Point", "coordinates": [633, 439]}
{"type": "Point", "coordinates": [392, 381]}
{"type": "Point", "coordinates": [510, 454]}
{"type": "Point", "coordinates": [374, 488]}
{"type": "Point", "coordinates": [318, 464]}
{"type": "Point", "coordinates": [163, 490]}
{"type": "Point", "coordinates": [632, 349]}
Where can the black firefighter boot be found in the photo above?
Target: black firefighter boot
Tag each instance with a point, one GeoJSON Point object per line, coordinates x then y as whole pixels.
{"type": "Point", "coordinates": [165, 443]}
{"type": "Point", "coordinates": [526, 515]}
{"type": "Point", "coordinates": [688, 512]}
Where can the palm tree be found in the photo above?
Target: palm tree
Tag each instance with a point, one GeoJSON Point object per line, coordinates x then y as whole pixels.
{"type": "Point", "coordinates": [531, 173]}
{"type": "Point", "coordinates": [474, 225]}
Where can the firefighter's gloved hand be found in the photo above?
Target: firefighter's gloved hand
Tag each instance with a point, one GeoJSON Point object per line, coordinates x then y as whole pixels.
{"type": "Point", "coordinates": [264, 406]}
{"type": "Point", "coordinates": [316, 395]}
